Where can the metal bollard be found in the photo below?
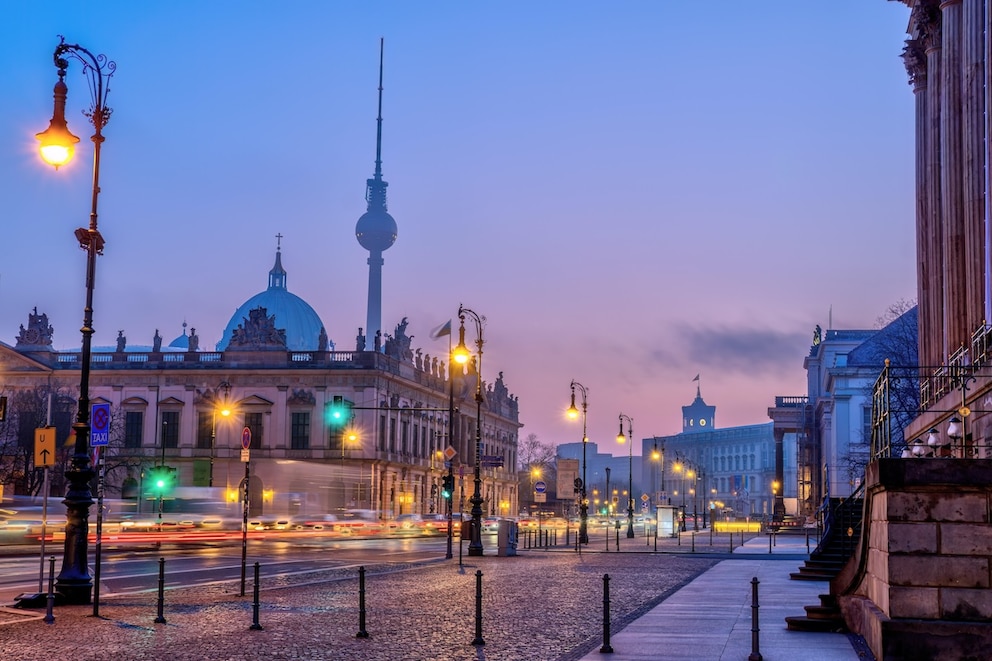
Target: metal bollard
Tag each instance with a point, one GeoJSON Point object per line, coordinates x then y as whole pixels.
{"type": "Point", "coordinates": [769, 542]}
{"type": "Point", "coordinates": [807, 540]}
{"type": "Point", "coordinates": [478, 609]}
{"type": "Point", "coordinates": [693, 542]}
{"type": "Point", "coordinates": [606, 648]}
{"type": "Point", "coordinates": [255, 626]}
{"type": "Point", "coordinates": [362, 633]}
{"type": "Point", "coordinates": [618, 540]}
{"type": "Point", "coordinates": [731, 541]}
{"type": "Point", "coordinates": [49, 617]}
{"type": "Point", "coordinates": [160, 618]}
{"type": "Point", "coordinates": [755, 654]}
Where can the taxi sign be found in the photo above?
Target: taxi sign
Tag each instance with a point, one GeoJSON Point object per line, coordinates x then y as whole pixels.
{"type": "Point", "coordinates": [100, 425]}
{"type": "Point", "coordinates": [246, 438]}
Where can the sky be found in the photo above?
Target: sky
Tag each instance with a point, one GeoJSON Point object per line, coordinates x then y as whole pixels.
{"type": "Point", "coordinates": [632, 193]}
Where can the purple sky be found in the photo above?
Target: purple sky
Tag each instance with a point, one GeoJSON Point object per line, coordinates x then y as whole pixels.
{"type": "Point", "coordinates": [633, 193]}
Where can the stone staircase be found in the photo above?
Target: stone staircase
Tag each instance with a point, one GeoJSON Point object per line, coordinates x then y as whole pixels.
{"type": "Point", "coordinates": [826, 561]}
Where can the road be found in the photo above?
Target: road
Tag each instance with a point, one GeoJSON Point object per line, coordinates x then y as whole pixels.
{"type": "Point", "coordinates": [134, 569]}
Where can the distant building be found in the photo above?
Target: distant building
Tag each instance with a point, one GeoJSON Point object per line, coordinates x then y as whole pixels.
{"type": "Point", "coordinates": [721, 471]}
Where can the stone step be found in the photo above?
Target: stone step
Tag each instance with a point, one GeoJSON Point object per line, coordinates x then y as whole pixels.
{"type": "Point", "coordinates": [810, 575]}
{"type": "Point", "coordinates": [823, 613]}
{"type": "Point", "coordinates": [803, 623]}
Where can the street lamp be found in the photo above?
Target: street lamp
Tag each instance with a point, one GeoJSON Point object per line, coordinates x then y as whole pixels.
{"type": "Point", "coordinates": [573, 413]}
{"type": "Point", "coordinates": [695, 513]}
{"type": "Point", "coordinates": [461, 354]}
{"type": "Point", "coordinates": [57, 148]}
{"type": "Point", "coordinates": [630, 470]}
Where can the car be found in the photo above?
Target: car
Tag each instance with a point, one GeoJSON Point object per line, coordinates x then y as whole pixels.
{"type": "Point", "coordinates": [407, 524]}
{"type": "Point", "coordinates": [491, 524]}
{"type": "Point", "coordinates": [357, 522]}
{"type": "Point", "coordinates": [435, 523]}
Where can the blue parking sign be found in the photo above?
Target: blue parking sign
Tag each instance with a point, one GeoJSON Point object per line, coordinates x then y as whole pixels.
{"type": "Point", "coordinates": [100, 425]}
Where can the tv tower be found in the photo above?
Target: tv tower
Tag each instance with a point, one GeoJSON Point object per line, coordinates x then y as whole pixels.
{"type": "Point", "coordinates": [376, 229]}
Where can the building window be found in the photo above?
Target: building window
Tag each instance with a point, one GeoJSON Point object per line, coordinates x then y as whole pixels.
{"type": "Point", "coordinates": [299, 433]}
{"type": "Point", "coordinates": [392, 435]}
{"type": "Point", "coordinates": [133, 423]}
{"type": "Point", "coordinates": [204, 430]}
{"type": "Point", "coordinates": [405, 433]}
{"type": "Point", "coordinates": [253, 421]}
{"type": "Point", "coordinates": [169, 432]}
{"type": "Point", "coordinates": [382, 433]}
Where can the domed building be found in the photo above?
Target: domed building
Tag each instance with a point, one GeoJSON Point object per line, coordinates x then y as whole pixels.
{"type": "Point", "coordinates": [290, 313]}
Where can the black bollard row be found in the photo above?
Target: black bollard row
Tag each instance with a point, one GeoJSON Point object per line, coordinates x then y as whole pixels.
{"type": "Point", "coordinates": [160, 618]}
{"type": "Point", "coordinates": [606, 648]}
{"type": "Point", "coordinates": [478, 609]}
{"type": "Point", "coordinates": [362, 633]}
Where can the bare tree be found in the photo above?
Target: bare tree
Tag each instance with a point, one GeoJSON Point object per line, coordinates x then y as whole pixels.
{"type": "Point", "coordinates": [897, 341]}
{"type": "Point", "coordinates": [533, 453]}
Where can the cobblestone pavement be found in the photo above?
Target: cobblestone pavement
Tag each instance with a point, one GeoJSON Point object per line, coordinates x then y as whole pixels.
{"type": "Point", "coordinates": [535, 606]}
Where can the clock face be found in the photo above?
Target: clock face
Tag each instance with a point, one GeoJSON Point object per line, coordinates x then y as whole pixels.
{"type": "Point", "coordinates": [702, 422]}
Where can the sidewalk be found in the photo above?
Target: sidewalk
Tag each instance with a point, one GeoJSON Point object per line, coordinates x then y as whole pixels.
{"type": "Point", "coordinates": [711, 617]}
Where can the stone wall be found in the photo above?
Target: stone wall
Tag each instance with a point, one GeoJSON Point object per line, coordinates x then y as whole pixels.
{"type": "Point", "coordinates": [920, 586]}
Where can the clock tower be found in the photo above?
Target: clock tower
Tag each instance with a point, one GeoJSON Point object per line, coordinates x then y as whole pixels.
{"type": "Point", "coordinates": [698, 416]}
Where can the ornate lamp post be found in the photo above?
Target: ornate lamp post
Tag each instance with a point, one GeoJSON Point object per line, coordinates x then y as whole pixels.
{"type": "Point", "coordinates": [573, 413]}
{"type": "Point", "coordinates": [461, 354]}
{"type": "Point", "coordinates": [225, 411]}
{"type": "Point", "coordinates": [629, 439]}
{"type": "Point", "coordinates": [57, 148]}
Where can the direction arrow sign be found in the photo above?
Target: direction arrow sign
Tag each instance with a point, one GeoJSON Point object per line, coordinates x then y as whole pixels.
{"type": "Point", "coordinates": [44, 447]}
{"type": "Point", "coordinates": [99, 425]}
{"type": "Point", "coordinates": [540, 486]}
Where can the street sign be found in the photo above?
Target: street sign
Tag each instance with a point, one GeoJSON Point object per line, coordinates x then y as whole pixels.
{"type": "Point", "coordinates": [644, 505]}
{"type": "Point", "coordinates": [100, 424]}
{"type": "Point", "coordinates": [645, 498]}
{"type": "Point", "coordinates": [44, 447]}
{"type": "Point", "coordinates": [246, 439]}
{"type": "Point", "coordinates": [540, 497]}
{"type": "Point", "coordinates": [491, 460]}
{"type": "Point", "coordinates": [245, 455]}
{"type": "Point", "coordinates": [449, 453]}
{"type": "Point", "coordinates": [540, 486]}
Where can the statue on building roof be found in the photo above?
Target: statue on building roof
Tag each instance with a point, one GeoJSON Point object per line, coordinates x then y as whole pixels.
{"type": "Point", "coordinates": [121, 341]}
{"type": "Point", "coordinates": [38, 333]}
{"type": "Point", "coordinates": [157, 342]}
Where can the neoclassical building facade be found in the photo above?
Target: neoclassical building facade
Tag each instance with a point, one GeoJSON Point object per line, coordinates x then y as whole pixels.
{"type": "Point", "coordinates": [276, 375]}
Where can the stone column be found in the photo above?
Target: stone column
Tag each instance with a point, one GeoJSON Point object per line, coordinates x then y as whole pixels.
{"type": "Point", "coordinates": [973, 167]}
{"type": "Point", "coordinates": [951, 179]}
{"type": "Point", "coordinates": [931, 248]}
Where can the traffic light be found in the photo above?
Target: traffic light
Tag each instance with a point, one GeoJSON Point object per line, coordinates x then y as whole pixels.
{"type": "Point", "coordinates": [448, 486]}
{"type": "Point", "coordinates": [339, 412]}
{"type": "Point", "coordinates": [162, 480]}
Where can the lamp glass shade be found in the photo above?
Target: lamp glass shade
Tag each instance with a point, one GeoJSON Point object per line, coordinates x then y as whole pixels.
{"type": "Point", "coordinates": [621, 438]}
{"type": "Point", "coordinates": [57, 144]}
{"type": "Point", "coordinates": [572, 412]}
{"type": "Point", "coordinates": [461, 354]}
{"type": "Point", "coordinates": [954, 428]}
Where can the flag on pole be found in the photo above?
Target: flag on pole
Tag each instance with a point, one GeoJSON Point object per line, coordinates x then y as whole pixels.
{"type": "Point", "coordinates": [697, 378]}
{"type": "Point", "coordinates": [442, 330]}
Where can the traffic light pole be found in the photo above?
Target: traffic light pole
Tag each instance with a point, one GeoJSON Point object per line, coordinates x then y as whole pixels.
{"type": "Point", "coordinates": [244, 530]}
{"type": "Point", "coordinates": [449, 499]}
